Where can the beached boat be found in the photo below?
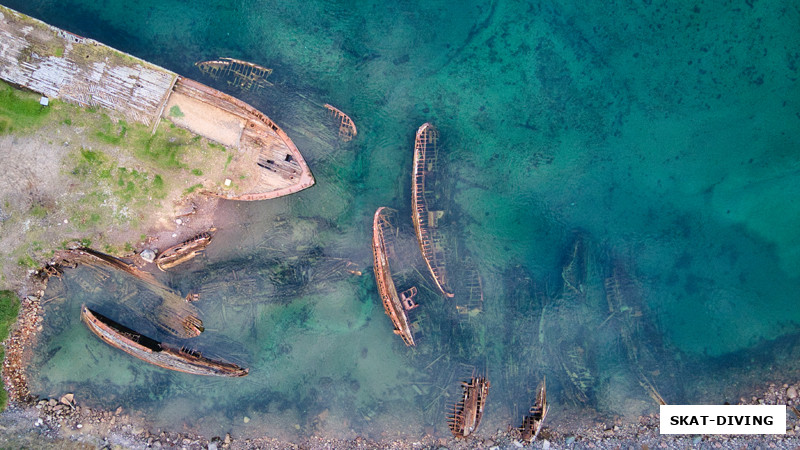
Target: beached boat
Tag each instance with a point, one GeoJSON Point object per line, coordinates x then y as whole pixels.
{"type": "Point", "coordinates": [394, 304]}
{"type": "Point", "coordinates": [154, 352]}
{"type": "Point", "coordinates": [425, 219]}
{"type": "Point", "coordinates": [179, 254]}
{"type": "Point", "coordinates": [532, 423]}
{"type": "Point", "coordinates": [468, 411]}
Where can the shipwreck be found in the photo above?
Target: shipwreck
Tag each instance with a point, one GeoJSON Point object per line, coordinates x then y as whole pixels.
{"type": "Point", "coordinates": [154, 352]}
{"type": "Point", "coordinates": [468, 411]}
{"type": "Point", "coordinates": [179, 254]}
{"type": "Point", "coordinates": [425, 218]}
{"type": "Point", "coordinates": [532, 423]}
{"type": "Point", "coordinates": [396, 305]}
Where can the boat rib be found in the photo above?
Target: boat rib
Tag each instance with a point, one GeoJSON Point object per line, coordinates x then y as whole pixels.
{"type": "Point", "coordinates": [347, 129]}
{"type": "Point", "coordinates": [154, 352]}
{"type": "Point", "coordinates": [383, 278]}
{"type": "Point", "coordinates": [425, 164]}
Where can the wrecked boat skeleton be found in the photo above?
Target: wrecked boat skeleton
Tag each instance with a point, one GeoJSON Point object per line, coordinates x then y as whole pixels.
{"type": "Point", "coordinates": [532, 423]}
{"type": "Point", "coordinates": [396, 308]}
{"type": "Point", "coordinates": [347, 129]}
{"type": "Point", "coordinates": [154, 352]}
{"type": "Point", "coordinates": [179, 254]}
{"type": "Point", "coordinates": [467, 412]}
{"type": "Point", "coordinates": [237, 73]}
{"type": "Point", "coordinates": [425, 220]}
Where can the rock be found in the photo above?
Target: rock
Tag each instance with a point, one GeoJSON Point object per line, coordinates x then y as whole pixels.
{"type": "Point", "coordinates": [517, 443]}
{"type": "Point", "coordinates": [118, 411]}
{"type": "Point", "coordinates": [227, 438]}
{"type": "Point", "coordinates": [52, 402]}
{"type": "Point", "coordinates": [246, 419]}
{"type": "Point", "coordinates": [791, 392]}
{"type": "Point", "coordinates": [67, 399]}
{"type": "Point", "coordinates": [545, 444]}
{"type": "Point", "coordinates": [212, 446]}
{"type": "Point", "coordinates": [148, 255]}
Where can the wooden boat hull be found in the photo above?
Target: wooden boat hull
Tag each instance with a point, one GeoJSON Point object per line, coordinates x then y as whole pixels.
{"type": "Point", "coordinates": [424, 165]}
{"type": "Point", "coordinates": [383, 277]}
{"type": "Point", "coordinates": [185, 251]}
{"type": "Point", "coordinates": [154, 352]}
{"type": "Point", "coordinates": [532, 423]}
{"type": "Point", "coordinates": [467, 413]}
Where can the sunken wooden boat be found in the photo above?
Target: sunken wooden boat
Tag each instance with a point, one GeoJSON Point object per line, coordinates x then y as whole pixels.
{"type": "Point", "coordinates": [394, 304]}
{"type": "Point", "coordinates": [425, 219]}
{"type": "Point", "coordinates": [532, 423]}
{"type": "Point", "coordinates": [347, 129]}
{"type": "Point", "coordinates": [154, 352]}
{"type": "Point", "coordinates": [174, 315]}
{"type": "Point", "coordinates": [468, 411]}
{"type": "Point", "coordinates": [179, 254]}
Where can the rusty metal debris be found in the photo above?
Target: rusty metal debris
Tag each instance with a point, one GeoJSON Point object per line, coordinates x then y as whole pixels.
{"type": "Point", "coordinates": [396, 306]}
{"type": "Point", "coordinates": [467, 412]}
{"type": "Point", "coordinates": [237, 73]}
{"type": "Point", "coordinates": [532, 423]}
{"type": "Point", "coordinates": [425, 219]}
{"type": "Point", "coordinates": [154, 352]}
{"type": "Point", "coordinates": [574, 271]}
{"type": "Point", "coordinates": [179, 254]}
{"type": "Point", "coordinates": [347, 129]}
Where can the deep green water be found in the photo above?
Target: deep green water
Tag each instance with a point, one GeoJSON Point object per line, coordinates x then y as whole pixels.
{"type": "Point", "coordinates": [665, 134]}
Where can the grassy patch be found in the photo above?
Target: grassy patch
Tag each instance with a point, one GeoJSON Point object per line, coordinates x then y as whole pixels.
{"type": "Point", "coordinates": [111, 133]}
{"type": "Point", "coordinates": [197, 172]}
{"type": "Point", "coordinates": [193, 188]}
{"type": "Point", "coordinates": [9, 307]}
{"type": "Point", "coordinates": [175, 111]}
{"type": "Point", "coordinates": [19, 110]}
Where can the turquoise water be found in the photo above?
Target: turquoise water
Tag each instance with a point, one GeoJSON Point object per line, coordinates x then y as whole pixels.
{"type": "Point", "coordinates": [664, 134]}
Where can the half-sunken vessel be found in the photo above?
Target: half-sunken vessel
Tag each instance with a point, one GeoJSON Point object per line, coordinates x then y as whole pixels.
{"type": "Point", "coordinates": [154, 352]}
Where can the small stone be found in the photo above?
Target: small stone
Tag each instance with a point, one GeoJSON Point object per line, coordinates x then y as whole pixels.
{"type": "Point", "coordinates": [545, 444]}
{"type": "Point", "coordinates": [227, 438]}
{"type": "Point", "coordinates": [67, 399]}
{"type": "Point", "coordinates": [227, 182]}
{"type": "Point", "coordinates": [66, 221]}
{"type": "Point", "coordinates": [79, 426]}
{"type": "Point", "coordinates": [52, 402]}
{"type": "Point", "coordinates": [148, 255]}
{"type": "Point", "coordinates": [178, 221]}
{"type": "Point", "coordinates": [246, 419]}
{"type": "Point", "coordinates": [517, 443]}
{"type": "Point", "coordinates": [791, 392]}
{"type": "Point", "coordinates": [118, 411]}
{"type": "Point", "coordinates": [212, 446]}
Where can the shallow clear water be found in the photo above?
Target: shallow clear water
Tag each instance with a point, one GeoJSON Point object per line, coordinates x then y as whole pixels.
{"type": "Point", "coordinates": [664, 134]}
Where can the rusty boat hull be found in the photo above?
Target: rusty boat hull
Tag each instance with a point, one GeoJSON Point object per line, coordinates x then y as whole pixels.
{"type": "Point", "coordinates": [154, 352]}
{"type": "Point", "coordinates": [185, 251]}
{"type": "Point", "coordinates": [468, 411]}
{"type": "Point", "coordinates": [425, 167]}
{"type": "Point", "coordinates": [532, 423]}
{"type": "Point", "coordinates": [383, 277]}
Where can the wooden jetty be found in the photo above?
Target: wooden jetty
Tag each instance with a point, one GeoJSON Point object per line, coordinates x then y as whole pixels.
{"type": "Point", "coordinates": [394, 304]}
{"type": "Point", "coordinates": [265, 163]}
{"type": "Point", "coordinates": [154, 352]}
{"type": "Point", "coordinates": [425, 219]}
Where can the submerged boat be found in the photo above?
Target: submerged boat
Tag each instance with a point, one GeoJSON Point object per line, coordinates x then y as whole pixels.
{"type": "Point", "coordinates": [154, 352]}
{"type": "Point", "coordinates": [425, 219]}
{"type": "Point", "coordinates": [532, 423]}
{"type": "Point", "coordinates": [394, 304]}
{"type": "Point", "coordinates": [179, 254]}
{"type": "Point", "coordinates": [468, 411]}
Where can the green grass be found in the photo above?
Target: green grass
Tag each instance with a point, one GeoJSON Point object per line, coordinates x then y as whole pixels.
{"type": "Point", "coordinates": [175, 111]}
{"type": "Point", "coordinates": [197, 172]}
{"type": "Point", "coordinates": [192, 188]}
{"type": "Point", "coordinates": [9, 307]}
{"type": "Point", "coordinates": [19, 110]}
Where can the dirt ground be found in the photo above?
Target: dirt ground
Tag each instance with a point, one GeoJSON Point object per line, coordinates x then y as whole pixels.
{"type": "Point", "coordinates": [39, 197]}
